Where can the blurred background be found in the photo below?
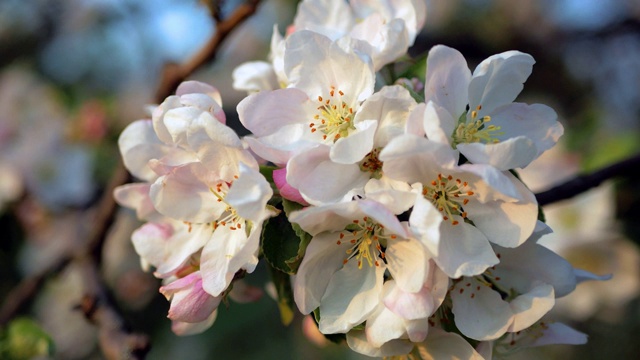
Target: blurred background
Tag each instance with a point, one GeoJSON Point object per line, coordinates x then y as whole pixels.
{"type": "Point", "coordinates": [74, 73]}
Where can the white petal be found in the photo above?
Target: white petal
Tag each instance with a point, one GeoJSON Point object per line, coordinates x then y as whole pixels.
{"type": "Point", "coordinates": [438, 124]}
{"type": "Point", "coordinates": [498, 80]}
{"type": "Point", "coordinates": [357, 341]}
{"type": "Point", "coordinates": [197, 87]}
{"type": "Point", "coordinates": [463, 250]}
{"type": "Point", "coordinates": [334, 217]}
{"type": "Point", "coordinates": [507, 224]}
{"type": "Point", "coordinates": [322, 181]}
{"type": "Point", "coordinates": [182, 195]}
{"type": "Point", "coordinates": [184, 328]}
{"type": "Point", "coordinates": [254, 76]}
{"type": "Point", "coordinates": [447, 80]}
{"type": "Point", "coordinates": [322, 259]}
{"type": "Point", "coordinates": [415, 159]}
{"type": "Point", "coordinates": [168, 245]}
{"type": "Point", "coordinates": [217, 255]}
{"type": "Point", "coordinates": [479, 312]}
{"type": "Point", "coordinates": [391, 106]}
{"type": "Point", "coordinates": [136, 196]}
{"type": "Point", "coordinates": [138, 143]}
{"type": "Point", "coordinates": [425, 222]}
{"type": "Point", "coordinates": [353, 148]}
{"type": "Point", "coordinates": [265, 112]}
{"type": "Point", "coordinates": [351, 295]}
{"type": "Point", "coordinates": [446, 345]}
{"type": "Point", "coordinates": [529, 307]}
{"type": "Point", "coordinates": [249, 194]}
{"type": "Point", "coordinates": [509, 154]}
{"type": "Point", "coordinates": [330, 18]}
{"type": "Point", "coordinates": [405, 261]}
{"type": "Point", "coordinates": [315, 64]}
{"type": "Point", "coordinates": [536, 122]}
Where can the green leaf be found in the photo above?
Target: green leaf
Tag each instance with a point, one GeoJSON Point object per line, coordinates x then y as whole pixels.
{"type": "Point", "coordinates": [279, 242]}
{"type": "Point", "coordinates": [305, 238]}
{"type": "Point", "coordinates": [267, 172]}
{"type": "Point", "coordinates": [25, 339]}
{"type": "Point", "coordinates": [286, 304]}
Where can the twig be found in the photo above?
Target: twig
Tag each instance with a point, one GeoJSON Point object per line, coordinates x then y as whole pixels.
{"type": "Point", "coordinates": [585, 182]}
{"type": "Point", "coordinates": [174, 74]}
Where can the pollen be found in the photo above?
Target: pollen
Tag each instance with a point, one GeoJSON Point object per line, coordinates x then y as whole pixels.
{"type": "Point", "coordinates": [448, 195]}
{"type": "Point", "coordinates": [335, 116]}
{"type": "Point", "coordinates": [372, 164]}
{"type": "Point", "coordinates": [367, 241]}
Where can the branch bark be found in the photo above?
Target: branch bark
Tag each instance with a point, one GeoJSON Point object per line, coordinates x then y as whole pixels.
{"type": "Point", "coordinates": [585, 182]}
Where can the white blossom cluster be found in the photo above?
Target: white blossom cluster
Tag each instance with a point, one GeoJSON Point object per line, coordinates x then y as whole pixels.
{"type": "Point", "coordinates": [423, 242]}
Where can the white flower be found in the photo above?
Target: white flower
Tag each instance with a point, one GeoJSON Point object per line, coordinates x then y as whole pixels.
{"type": "Point", "coordinates": [384, 29]}
{"type": "Point", "coordinates": [475, 113]}
{"type": "Point", "coordinates": [350, 164]}
{"type": "Point", "coordinates": [342, 273]}
{"type": "Point", "coordinates": [328, 85]}
{"type": "Point", "coordinates": [515, 294]}
{"type": "Point", "coordinates": [477, 203]}
{"type": "Point", "coordinates": [401, 318]}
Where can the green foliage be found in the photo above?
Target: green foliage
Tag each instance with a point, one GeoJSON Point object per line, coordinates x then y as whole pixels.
{"type": "Point", "coordinates": [286, 303]}
{"type": "Point", "coordinates": [24, 339]}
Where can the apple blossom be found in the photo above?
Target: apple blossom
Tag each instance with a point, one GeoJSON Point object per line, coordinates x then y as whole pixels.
{"type": "Point", "coordinates": [478, 204]}
{"type": "Point", "coordinates": [475, 113]}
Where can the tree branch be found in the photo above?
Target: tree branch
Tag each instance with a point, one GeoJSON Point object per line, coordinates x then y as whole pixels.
{"type": "Point", "coordinates": [174, 74]}
{"type": "Point", "coordinates": [582, 183]}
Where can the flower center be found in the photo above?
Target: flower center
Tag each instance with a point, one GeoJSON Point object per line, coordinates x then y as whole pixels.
{"type": "Point", "coordinates": [448, 196]}
{"type": "Point", "coordinates": [368, 241]}
{"type": "Point", "coordinates": [334, 118]}
{"type": "Point", "coordinates": [476, 130]}
{"type": "Point", "coordinates": [371, 163]}
{"type": "Point", "coordinates": [230, 216]}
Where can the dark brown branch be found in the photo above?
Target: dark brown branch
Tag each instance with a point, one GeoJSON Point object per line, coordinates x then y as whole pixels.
{"type": "Point", "coordinates": [174, 74]}
{"type": "Point", "coordinates": [585, 182]}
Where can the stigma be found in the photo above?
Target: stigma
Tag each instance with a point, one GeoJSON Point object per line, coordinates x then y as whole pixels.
{"type": "Point", "coordinates": [476, 130]}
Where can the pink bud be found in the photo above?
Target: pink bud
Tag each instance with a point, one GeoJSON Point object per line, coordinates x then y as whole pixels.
{"type": "Point", "coordinates": [287, 191]}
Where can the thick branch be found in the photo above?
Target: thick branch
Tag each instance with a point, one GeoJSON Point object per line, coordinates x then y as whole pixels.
{"type": "Point", "coordinates": [585, 182]}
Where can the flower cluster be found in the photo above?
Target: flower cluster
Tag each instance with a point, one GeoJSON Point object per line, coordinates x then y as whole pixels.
{"type": "Point", "coordinates": [412, 233]}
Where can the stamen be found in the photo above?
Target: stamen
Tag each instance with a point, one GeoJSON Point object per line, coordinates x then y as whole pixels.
{"type": "Point", "coordinates": [448, 195]}
{"type": "Point", "coordinates": [335, 116]}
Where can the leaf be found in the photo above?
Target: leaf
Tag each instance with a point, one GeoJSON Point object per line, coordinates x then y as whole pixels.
{"type": "Point", "coordinates": [305, 238]}
{"type": "Point", "coordinates": [279, 242]}
{"type": "Point", "coordinates": [25, 340]}
{"type": "Point", "coordinates": [282, 284]}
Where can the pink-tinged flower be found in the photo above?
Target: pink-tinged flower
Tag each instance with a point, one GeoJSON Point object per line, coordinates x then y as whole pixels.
{"type": "Point", "coordinates": [342, 273]}
{"type": "Point", "coordinates": [189, 302]}
{"type": "Point", "coordinates": [287, 191]}
{"type": "Point", "coordinates": [475, 113]}
{"type": "Point", "coordinates": [477, 204]}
